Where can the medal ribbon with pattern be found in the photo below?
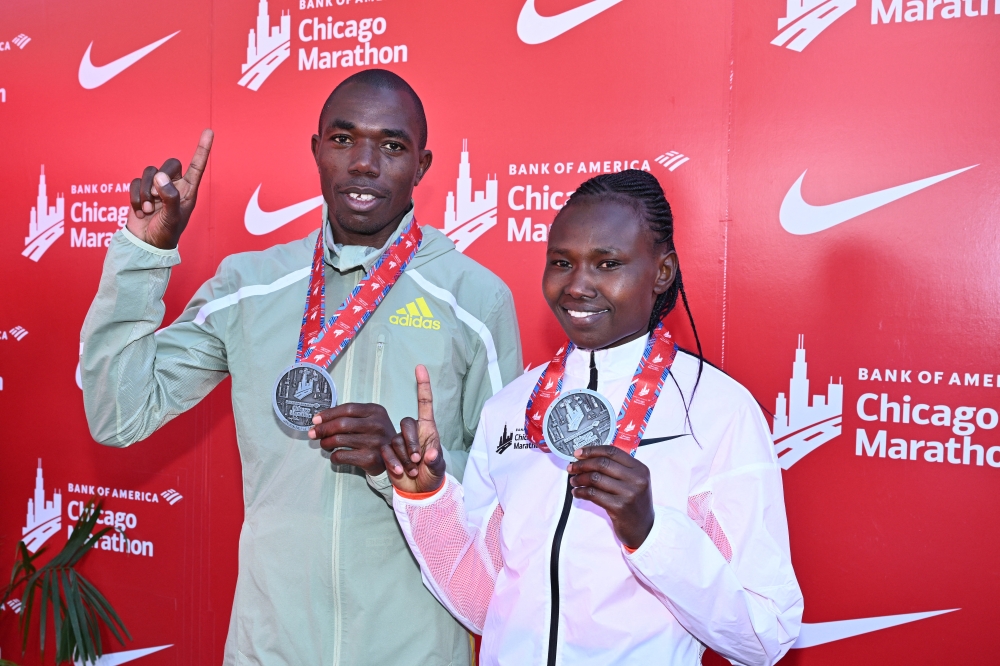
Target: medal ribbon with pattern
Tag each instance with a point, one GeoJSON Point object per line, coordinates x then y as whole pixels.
{"type": "Point", "coordinates": [321, 344]}
{"type": "Point", "coordinates": [647, 382]}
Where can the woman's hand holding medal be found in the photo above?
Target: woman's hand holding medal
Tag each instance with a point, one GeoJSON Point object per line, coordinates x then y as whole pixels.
{"type": "Point", "coordinates": [415, 461]}
{"type": "Point", "coordinates": [619, 484]}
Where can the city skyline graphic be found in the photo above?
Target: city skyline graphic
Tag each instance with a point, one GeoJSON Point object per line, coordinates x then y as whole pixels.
{"type": "Point", "coordinates": [801, 428]}
{"type": "Point", "coordinates": [267, 47]}
{"type": "Point", "coordinates": [44, 518]}
{"type": "Point", "coordinates": [805, 19]}
{"type": "Point", "coordinates": [47, 222]}
{"type": "Point", "coordinates": [468, 215]}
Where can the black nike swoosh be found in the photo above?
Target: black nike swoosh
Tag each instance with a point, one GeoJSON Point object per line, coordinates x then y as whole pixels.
{"type": "Point", "coordinates": [657, 440]}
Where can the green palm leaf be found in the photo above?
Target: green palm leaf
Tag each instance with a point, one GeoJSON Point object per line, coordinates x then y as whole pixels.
{"type": "Point", "coordinates": [78, 610]}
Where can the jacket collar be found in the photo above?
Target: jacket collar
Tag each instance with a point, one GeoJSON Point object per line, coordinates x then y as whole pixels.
{"type": "Point", "coordinates": [350, 257]}
{"type": "Point", "coordinates": [613, 363]}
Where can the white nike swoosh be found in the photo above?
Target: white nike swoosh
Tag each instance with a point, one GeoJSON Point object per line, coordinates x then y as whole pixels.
{"type": "Point", "coordinates": [800, 218]}
{"type": "Point", "coordinates": [92, 77]}
{"type": "Point", "coordinates": [116, 658]}
{"type": "Point", "coordinates": [535, 29]}
{"type": "Point", "coordinates": [827, 632]}
{"type": "Point", "coordinates": [259, 222]}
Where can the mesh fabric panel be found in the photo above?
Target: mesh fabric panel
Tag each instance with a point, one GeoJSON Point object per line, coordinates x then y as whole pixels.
{"type": "Point", "coordinates": [700, 511]}
{"type": "Point", "coordinates": [463, 565]}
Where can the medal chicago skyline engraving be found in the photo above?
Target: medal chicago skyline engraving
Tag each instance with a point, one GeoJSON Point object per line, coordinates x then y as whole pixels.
{"type": "Point", "coordinates": [578, 418]}
{"type": "Point", "coordinates": [301, 392]}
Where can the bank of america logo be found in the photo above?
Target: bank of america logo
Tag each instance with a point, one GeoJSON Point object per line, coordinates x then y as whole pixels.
{"type": "Point", "coordinates": [47, 222]}
{"type": "Point", "coordinates": [806, 19]}
{"type": "Point", "coordinates": [672, 159]}
{"type": "Point", "coordinates": [44, 517]}
{"type": "Point", "coordinates": [21, 40]}
{"type": "Point", "coordinates": [801, 428]}
{"type": "Point", "coordinates": [18, 333]}
{"type": "Point", "coordinates": [267, 47]}
{"type": "Point", "coordinates": [469, 215]}
{"type": "Point", "coordinates": [172, 496]}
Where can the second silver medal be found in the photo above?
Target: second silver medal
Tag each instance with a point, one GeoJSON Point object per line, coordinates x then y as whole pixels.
{"type": "Point", "coordinates": [578, 418]}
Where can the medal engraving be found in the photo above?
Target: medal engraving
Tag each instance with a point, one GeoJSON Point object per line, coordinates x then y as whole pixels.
{"type": "Point", "coordinates": [578, 418]}
{"type": "Point", "coordinates": [301, 392]}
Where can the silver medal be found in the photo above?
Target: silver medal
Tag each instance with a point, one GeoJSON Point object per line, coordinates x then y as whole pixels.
{"type": "Point", "coordinates": [302, 391]}
{"type": "Point", "coordinates": [578, 418]}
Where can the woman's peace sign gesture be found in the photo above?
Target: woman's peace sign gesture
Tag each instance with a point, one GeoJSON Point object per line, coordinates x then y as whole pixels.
{"type": "Point", "coordinates": [414, 461]}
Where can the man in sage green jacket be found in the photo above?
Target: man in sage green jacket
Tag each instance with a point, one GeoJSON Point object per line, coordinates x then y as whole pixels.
{"type": "Point", "coordinates": [325, 576]}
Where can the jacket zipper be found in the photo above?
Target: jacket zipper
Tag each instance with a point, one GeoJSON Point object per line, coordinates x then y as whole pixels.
{"type": "Point", "coordinates": [557, 544]}
{"type": "Point", "coordinates": [554, 574]}
{"type": "Point", "coordinates": [338, 500]}
{"type": "Point", "coordinates": [377, 381]}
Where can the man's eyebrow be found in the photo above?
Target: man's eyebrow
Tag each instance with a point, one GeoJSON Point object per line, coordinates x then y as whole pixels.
{"type": "Point", "coordinates": [339, 123]}
{"type": "Point", "coordinates": [397, 134]}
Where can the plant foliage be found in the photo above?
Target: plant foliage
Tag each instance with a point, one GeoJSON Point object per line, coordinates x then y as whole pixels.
{"type": "Point", "coordinates": [76, 608]}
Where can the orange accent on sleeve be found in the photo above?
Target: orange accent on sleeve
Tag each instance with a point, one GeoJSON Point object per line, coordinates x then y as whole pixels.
{"type": "Point", "coordinates": [418, 496]}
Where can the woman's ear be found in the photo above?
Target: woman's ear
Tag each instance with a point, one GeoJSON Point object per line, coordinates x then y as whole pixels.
{"type": "Point", "coordinates": [667, 272]}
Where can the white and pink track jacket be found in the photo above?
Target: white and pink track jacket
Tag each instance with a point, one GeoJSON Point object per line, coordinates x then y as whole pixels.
{"type": "Point", "coordinates": [714, 571]}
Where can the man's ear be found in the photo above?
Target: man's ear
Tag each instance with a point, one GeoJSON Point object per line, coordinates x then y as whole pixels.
{"type": "Point", "coordinates": [667, 273]}
{"type": "Point", "coordinates": [315, 147]}
{"type": "Point", "coordinates": [426, 157]}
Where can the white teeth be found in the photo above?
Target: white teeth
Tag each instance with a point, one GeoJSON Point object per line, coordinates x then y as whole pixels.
{"type": "Point", "coordinates": [361, 197]}
{"type": "Point", "coordinates": [578, 314]}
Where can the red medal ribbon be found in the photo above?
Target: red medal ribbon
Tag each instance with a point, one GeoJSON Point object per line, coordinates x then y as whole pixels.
{"type": "Point", "coordinates": [321, 344]}
{"type": "Point", "coordinates": [647, 382]}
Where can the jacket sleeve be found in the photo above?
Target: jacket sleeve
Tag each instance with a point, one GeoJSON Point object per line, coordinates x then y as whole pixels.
{"type": "Point", "coordinates": [137, 378]}
{"type": "Point", "coordinates": [723, 568]}
{"type": "Point", "coordinates": [455, 537]}
{"type": "Point", "coordinates": [496, 363]}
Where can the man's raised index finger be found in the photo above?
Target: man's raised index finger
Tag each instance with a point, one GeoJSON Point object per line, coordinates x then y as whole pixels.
{"type": "Point", "coordinates": [200, 159]}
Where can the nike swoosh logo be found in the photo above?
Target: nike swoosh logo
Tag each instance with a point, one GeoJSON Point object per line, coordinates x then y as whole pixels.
{"type": "Point", "coordinates": [800, 218]}
{"type": "Point", "coordinates": [657, 440]}
{"type": "Point", "coordinates": [116, 658]}
{"type": "Point", "coordinates": [533, 28]}
{"type": "Point", "coordinates": [259, 222]}
{"type": "Point", "coordinates": [827, 632]}
{"type": "Point", "coordinates": [92, 76]}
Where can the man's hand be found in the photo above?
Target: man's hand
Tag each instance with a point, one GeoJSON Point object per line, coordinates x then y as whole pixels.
{"type": "Point", "coordinates": [415, 462]}
{"type": "Point", "coordinates": [355, 434]}
{"type": "Point", "coordinates": [163, 200]}
{"type": "Point", "coordinates": [618, 483]}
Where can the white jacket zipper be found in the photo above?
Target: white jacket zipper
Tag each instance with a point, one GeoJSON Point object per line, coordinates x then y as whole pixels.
{"type": "Point", "coordinates": [338, 493]}
{"type": "Point", "coordinates": [377, 380]}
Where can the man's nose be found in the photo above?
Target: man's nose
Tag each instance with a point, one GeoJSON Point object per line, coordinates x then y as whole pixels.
{"type": "Point", "coordinates": [365, 159]}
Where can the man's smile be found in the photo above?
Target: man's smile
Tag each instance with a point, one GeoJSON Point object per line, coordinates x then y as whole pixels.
{"type": "Point", "coordinates": [361, 199]}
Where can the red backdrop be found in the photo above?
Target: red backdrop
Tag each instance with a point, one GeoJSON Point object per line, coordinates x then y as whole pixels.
{"type": "Point", "coordinates": [880, 114]}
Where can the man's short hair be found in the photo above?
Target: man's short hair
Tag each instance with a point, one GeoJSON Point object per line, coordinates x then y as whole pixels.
{"type": "Point", "coordinates": [383, 79]}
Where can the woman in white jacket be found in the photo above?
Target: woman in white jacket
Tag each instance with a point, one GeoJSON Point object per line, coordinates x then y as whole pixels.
{"type": "Point", "coordinates": [645, 551]}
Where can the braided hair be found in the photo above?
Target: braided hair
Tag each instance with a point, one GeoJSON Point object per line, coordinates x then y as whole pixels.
{"type": "Point", "coordinates": [641, 190]}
